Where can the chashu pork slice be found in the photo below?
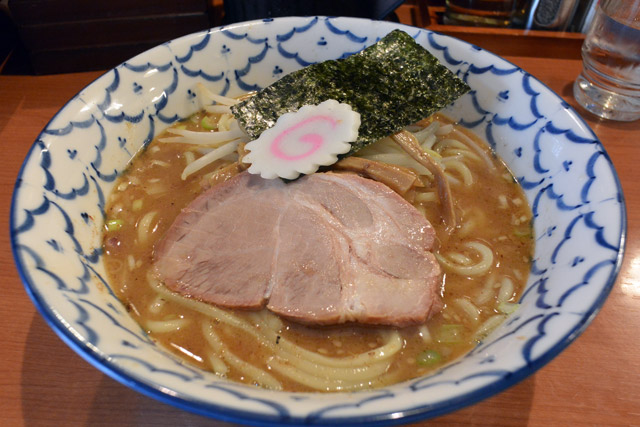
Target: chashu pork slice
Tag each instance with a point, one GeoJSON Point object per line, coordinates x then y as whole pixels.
{"type": "Point", "coordinates": [325, 249]}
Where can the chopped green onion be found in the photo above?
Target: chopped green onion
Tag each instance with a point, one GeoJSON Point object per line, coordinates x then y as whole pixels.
{"type": "Point", "coordinates": [508, 307]}
{"type": "Point", "coordinates": [450, 334]}
{"type": "Point", "coordinates": [428, 358]}
{"type": "Point", "coordinates": [207, 123]}
{"type": "Point", "coordinates": [114, 224]}
{"type": "Point", "coordinates": [137, 205]}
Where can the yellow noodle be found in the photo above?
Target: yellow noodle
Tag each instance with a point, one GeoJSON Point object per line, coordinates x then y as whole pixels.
{"type": "Point", "coordinates": [413, 128]}
{"type": "Point", "coordinates": [506, 290]}
{"type": "Point", "coordinates": [459, 258]}
{"type": "Point", "coordinates": [157, 304]}
{"type": "Point", "coordinates": [472, 312]}
{"type": "Point", "coordinates": [393, 343]}
{"type": "Point", "coordinates": [447, 143]}
{"type": "Point", "coordinates": [355, 374]}
{"type": "Point", "coordinates": [430, 196]}
{"type": "Point", "coordinates": [217, 365]}
{"type": "Point", "coordinates": [386, 150]}
{"type": "Point", "coordinates": [322, 365]}
{"type": "Point", "coordinates": [317, 382]}
{"type": "Point", "coordinates": [385, 145]}
{"type": "Point", "coordinates": [444, 130]}
{"type": "Point", "coordinates": [208, 139]}
{"type": "Point", "coordinates": [426, 136]}
{"type": "Point", "coordinates": [272, 321]}
{"type": "Point", "coordinates": [255, 374]}
{"type": "Point", "coordinates": [462, 169]}
{"type": "Point", "coordinates": [144, 226]}
{"type": "Point", "coordinates": [220, 152]}
{"type": "Point", "coordinates": [450, 157]}
{"type": "Point", "coordinates": [189, 156]}
{"type": "Point", "coordinates": [486, 293]}
{"type": "Point", "coordinates": [305, 359]}
{"type": "Point", "coordinates": [476, 148]}
{"type": "Point", "coordinates": [453, 180]}
{"type": "Point", "coordinates": [489, 325]}
{"type": "Point", "coordinates": [226, 122]}
{"type": "Point", "coordinates": [203, 91]}
{"type": "Point", "coordinates": [477, 269]}
{"type": "Point", "coordinates": [206, 309]}
{"type": "Point", "coordinates": [461, 153]}
{"type": "Point", "coordinates": [217, 109]}
{"type": "Point", "coordinates": [164, 326]}
{"type": "Point", "coordinates": [429, 142]}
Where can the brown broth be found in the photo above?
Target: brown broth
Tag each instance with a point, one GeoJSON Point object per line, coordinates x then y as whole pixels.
{"type": "Point", "coordinates": [505, 228]}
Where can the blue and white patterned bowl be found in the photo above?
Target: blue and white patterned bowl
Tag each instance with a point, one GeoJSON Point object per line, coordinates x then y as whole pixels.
{"type": "Point", "coordinates": [57, 214]}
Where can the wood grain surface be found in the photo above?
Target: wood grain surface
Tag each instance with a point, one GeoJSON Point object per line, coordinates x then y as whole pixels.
{"type": "Point", "coordinates": [596, 381]}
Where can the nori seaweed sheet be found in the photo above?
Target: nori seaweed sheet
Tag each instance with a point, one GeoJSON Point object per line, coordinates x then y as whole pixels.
{"type": "Point", "coordinates": [392, 84]}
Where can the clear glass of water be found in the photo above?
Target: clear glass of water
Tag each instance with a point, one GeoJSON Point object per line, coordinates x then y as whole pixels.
{"type": "Point", "coordinates": [609, 85]}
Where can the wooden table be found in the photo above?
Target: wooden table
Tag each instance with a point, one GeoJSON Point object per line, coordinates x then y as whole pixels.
{"type": "Point", "coordinates": [595, 381]}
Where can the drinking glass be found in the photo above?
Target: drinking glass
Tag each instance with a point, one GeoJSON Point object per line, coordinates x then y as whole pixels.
{"type": "Point", "coordinates": [609, 85]}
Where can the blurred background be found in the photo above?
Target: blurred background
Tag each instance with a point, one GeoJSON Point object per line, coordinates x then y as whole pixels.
{"type": "Point", "coordinates": [61, 36]}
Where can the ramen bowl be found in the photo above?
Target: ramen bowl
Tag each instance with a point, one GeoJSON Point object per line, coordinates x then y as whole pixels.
{"type": "Point", "coordinates": [58, 213]}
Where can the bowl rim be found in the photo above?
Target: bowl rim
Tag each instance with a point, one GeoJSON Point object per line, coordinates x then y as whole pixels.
{"type": "Point", "coordinates": [222, 412]}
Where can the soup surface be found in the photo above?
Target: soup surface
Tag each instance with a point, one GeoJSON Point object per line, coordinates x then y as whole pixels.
{"type": "Point", "coordinates": [485, 258]}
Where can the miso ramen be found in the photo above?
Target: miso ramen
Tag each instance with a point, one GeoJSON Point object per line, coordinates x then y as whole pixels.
{"type": "Point", "coordinates": [485, 259]}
